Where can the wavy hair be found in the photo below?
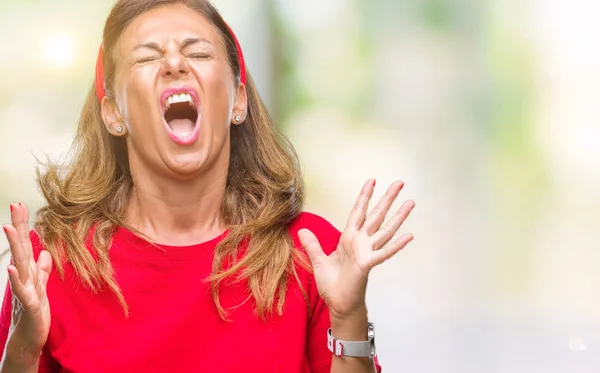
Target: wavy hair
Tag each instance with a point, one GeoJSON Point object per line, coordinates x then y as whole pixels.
{"type": "Point", "coordinates": [87, 195]}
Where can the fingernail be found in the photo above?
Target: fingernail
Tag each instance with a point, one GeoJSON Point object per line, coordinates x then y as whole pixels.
{"type": "Point", "coordinates": [5, 230]}
{"type": "Point", "coordinates": [11, 208]}
{"type": "Point", "coordinates": [374, 182]}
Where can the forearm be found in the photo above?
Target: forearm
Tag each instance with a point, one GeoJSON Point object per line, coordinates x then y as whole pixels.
{"type": "Point", "coordinates": [351, 329]}
{"type": "Point", "coordinates": [19, 359]}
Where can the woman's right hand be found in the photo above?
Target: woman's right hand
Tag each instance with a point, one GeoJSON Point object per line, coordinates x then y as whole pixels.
{"type": "Point", "coordinates": [28, 279]}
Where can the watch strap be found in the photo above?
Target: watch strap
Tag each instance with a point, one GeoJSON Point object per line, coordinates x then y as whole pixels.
{"type": "Point", "coordinates": [352, 348]}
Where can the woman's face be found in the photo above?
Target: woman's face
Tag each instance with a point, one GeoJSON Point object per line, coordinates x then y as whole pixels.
{"type": "Point", "coordinates": [174, 94]}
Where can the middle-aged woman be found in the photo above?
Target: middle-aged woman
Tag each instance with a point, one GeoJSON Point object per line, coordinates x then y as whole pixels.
{"type": "Point", "coordinates": [176, 228]}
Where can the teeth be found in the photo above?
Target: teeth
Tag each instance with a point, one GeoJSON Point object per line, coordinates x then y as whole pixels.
{"type": "Point", "coordinates": [183, 97]}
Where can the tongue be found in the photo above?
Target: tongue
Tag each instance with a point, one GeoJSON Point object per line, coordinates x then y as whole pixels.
{"type": "Point", "coordinates": [181, 127]}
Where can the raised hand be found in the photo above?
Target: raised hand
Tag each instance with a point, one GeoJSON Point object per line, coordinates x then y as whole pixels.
{"type": "Point", "coordinates": [28, 279]}
{"type": "Point", "coordinates": [341, 277]}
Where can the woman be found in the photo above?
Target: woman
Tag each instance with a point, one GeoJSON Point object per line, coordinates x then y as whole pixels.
{"type": "Point", "coordinates": [176, 232]}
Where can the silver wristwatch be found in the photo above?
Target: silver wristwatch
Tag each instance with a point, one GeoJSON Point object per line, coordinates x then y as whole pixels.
{"type": "Point", "coordinates": [353, 348]}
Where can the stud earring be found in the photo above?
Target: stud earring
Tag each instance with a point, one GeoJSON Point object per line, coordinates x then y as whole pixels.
{"type": "Point", "coordinates": [238, 118]}
{"type": "Point", "coordinates": [119, 129]}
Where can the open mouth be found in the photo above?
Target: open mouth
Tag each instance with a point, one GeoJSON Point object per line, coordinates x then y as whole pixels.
{"type": "Point", "coordinates": [181, 116]}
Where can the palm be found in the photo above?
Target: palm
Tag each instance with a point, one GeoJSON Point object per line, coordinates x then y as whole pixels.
{"type": "Point", "coordinates": [342, 276]}
{"type": "Point", "coordinates": [33, 301]}
{"type": "Point", "coordinates": [28, 279]}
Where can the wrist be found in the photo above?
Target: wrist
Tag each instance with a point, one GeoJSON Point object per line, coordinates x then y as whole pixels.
{"type": "Point", "coordinates": [18, 352]}
{"type": "Point", "coordinates": [351, 327]}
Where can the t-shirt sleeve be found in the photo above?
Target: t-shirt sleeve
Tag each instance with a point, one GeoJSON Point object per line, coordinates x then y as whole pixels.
{"type": "Point", "coordinates": [47, 363]}
{"type": "Point", "coordinates": [5, 316]}
{"type": "Point", "coordinates": [318, 355]}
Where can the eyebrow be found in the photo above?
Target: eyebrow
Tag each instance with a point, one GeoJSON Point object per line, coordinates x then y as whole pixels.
{"type": "Point", "coordinates": [186, 43]}
{"type": "Point", "coordinates": [189, 41]}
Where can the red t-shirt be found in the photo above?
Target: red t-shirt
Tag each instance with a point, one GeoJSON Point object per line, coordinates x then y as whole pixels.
{"type": "Point", "coordinates": [173, 324]}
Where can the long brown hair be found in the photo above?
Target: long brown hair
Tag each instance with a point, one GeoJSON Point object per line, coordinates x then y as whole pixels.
{"type": "Point", "coordinates": [89, 193]}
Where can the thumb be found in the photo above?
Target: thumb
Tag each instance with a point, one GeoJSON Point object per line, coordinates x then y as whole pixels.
{"type": "Point", "coordinates": [311, 244]}
{"type": "Point", "coordinates": [44, 265]}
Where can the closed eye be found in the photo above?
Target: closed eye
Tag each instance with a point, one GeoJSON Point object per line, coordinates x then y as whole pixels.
{"type": "Point", "coordinates": [146, 59]}
{"type": "Point", "coordinates": [199, 55]}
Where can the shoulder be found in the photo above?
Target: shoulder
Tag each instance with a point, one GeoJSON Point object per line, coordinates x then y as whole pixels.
{"type": "Point", "coordinates": [327, 234]}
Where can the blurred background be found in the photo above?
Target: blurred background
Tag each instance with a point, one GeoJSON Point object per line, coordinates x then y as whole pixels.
{"type": "Point", "coordinates": [488, 110]}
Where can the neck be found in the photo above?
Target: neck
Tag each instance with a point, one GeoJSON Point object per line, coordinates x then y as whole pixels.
{"type": "Point", "coordinates": [177, 213]}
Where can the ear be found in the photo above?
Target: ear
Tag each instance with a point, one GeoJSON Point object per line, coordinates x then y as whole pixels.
{"type": "Point", "coordinates": [112, 117]}
{"type": "Point", "coordinates": [240, 105]}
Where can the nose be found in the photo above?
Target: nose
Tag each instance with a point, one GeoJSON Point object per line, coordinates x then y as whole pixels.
{"type": "Point", "coordinates": [175, 66]}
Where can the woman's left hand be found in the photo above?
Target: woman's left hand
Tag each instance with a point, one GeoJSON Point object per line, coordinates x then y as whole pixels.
{"type": "Point", "coordinates": [341, 277]}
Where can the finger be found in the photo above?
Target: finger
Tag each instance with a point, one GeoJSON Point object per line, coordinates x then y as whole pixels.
{"type": "Point", "coordinates": [20, 220]}
{"type": "Point", "coordinates": [18, 289]}
{"type": "Point", "coordinates": [387, 252]}
{"type": "Point", "coordinates": [377, 216]}
{"type": "Point", "coordinates": [389, 229]}
{"type": "Point", "coordinates": [20, 261]}
{"type": "Point", "coordinates": [25, 236]}
{"type": "Point", "coordinates": [44, 265]}
{"type": "Point", "coordinates": [359, 211]}
{"type": "Point", "coordinates": [311, 245]}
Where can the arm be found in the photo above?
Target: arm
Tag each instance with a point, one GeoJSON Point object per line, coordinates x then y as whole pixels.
{"type": "Point", "coordinates": [320, 358]}
{"type": "Point", "coordinates": [341, 277]}
{"type": "Point", "coordinates": [25, 316]}
{"type": "Point", "coordinates": [354, 329]}
{"type": "Point", "coordinates": [18, 359]}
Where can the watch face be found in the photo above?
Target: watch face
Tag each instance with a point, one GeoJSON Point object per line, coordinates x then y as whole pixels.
{"type": "Point", "coordinates": [371, 334]}
{"type": "Point", "coordinates": [371, 331]}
